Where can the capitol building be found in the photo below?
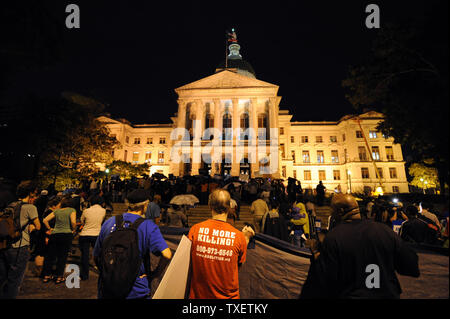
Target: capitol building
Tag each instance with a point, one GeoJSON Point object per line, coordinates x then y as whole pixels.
{"type": "Point", "coordinates": [231, 123]}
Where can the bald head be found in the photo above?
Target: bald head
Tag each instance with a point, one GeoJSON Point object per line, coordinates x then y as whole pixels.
{"type": "Point", "coordinates": [344, 206]}
{"type": "Point", "coordinates": [219, 201]}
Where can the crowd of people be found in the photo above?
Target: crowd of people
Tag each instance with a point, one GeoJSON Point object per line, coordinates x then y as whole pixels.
{"type": "Point", "coordinates": [50, 220]}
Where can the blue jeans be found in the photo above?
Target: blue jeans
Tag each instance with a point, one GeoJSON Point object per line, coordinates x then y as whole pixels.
{"type": "Point", "coordinates": [13, 263]}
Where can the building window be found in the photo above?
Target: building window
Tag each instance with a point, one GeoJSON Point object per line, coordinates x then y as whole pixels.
{"type": "Point", "coordinates": [359, 134]}
{"type": "Point", "coordinates": [307, 175]}
{"type": "Point", "coordinates": [161, 157]}
{"type": "Point", "coordinates": [137, 140]}
{"type": "Point", "coordinates": [149, 140]}
{"type": "Point", "coordinates": [380, 172]}
{"type": "Point", "coordinates": [304, 139]}
{"type": "Point", "coordinates": [209, 121]}
{"type": "Point", "coordinates": [292, 139]}
{"type": "Point", "coordinates": [322, 175]}
{"type": "Point", "coordinates": [372, 134]}
{"type": "Point", "coordinates": [395, 189]}
{"type": "Point", "coordinates": [375, 153]}
{"type": "Point", "coordinates": [283, 170]}
{"type": "Point", "coordinates": [135, 157]}
{"type": "Point", "coordinates": [262, 127]}
{"type": "Point", "coordinates": [245, 121]}
{"type": "Point", "coordinates": [148, 157]}
{"type": "Point", "coordinates": [305, 156]}
{"type": "Point", "coordinates": [333, 139]}
{"type": "Point", "coordinates": [162, 140]}
{"type": "Point", "coordinates": [334, 156]}
{"type": "Point", "coordinates": [362, 153]}
{"type": "Point", "coordinates": [293, 156]}
{"type": "Point", "coordinates": [345, 155]}
{"type": "Point", "coordinates": [319, 139]}
{"type": "Point", "coordinates": [389, 153]}
{"type": "Point", "coordinates": [337, 175]}
{"type": "Point", "coordinates": [127, 140]}
{"type": "Point", "coordinates": [281, 130]}
{"type": "Point", "coordinates": [320, 158]}
{"type": "Point", "coordinates": [364, 172]}
{"type": "Point", "coordinates": [343, 137]}
{"type": "Point", "coordinates": [125, 155]}
{"type": "Point", "coordinates": [393, 172]}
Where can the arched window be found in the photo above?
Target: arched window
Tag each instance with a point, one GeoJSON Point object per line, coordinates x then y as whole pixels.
{"type": "Point", "coordinates": [227, 126]}
{"type": "Point", "coordinates": [263, 131]}
{"type": "Point", "coordinates": [245, 124]}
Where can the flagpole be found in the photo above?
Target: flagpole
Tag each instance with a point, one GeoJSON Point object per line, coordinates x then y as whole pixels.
{"type": "Point", "coordinates": [226, 55]}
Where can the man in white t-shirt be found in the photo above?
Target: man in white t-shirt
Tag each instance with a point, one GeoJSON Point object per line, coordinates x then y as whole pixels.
{"type": "Point", "coordinates": [91, 219]}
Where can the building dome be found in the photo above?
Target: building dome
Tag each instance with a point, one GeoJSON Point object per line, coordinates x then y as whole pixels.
{"type": "Point", "coordinates": [235, 61]}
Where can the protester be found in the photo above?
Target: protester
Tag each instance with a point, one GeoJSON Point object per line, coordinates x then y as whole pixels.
{"type": "Point", "coordinates": [320, 192]}
{"type": "Point", "coordinates": [216, 276]}
{"type": "Point", "coordinates": [91, 220]}
{"type": "Point", "coordinates": [14, 258]}
{"type": "Point", "coordinates": [296, 224]}
{"type": "Point", "coordinates": [149, 240]}
{"type": "Point", "coordinates": [60, 240]}
{"type": "Point", "coordinates": [274, 224]}
{"type": "Point", "coordinates": [304, 217]}
{"type": "Point", "coordinates": [258, 209]}
{"type": "Point", "coordinates": [343, 265]}
{"type": "Point", "coordinates": [154, 210]}
{"type": "Point", "coordinates": [426, 211]}
{"type": "Point", "coordinates": [42, 238]}
{"type": "Point", "coordinates": [176, 217]}
{"type": "Point", "coordinates": [415, 230]}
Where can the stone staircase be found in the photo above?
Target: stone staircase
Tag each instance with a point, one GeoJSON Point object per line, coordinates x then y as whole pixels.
{"type": "Point", "coordinates": [196, 214]}
{"type": "Point", "coordinates": [202, 212]}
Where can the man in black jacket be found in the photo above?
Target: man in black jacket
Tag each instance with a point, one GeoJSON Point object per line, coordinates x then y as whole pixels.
{"type": "Point", "coordinates": [358, 258]}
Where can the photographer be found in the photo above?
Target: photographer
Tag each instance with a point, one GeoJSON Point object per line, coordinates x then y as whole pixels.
{"type": "Point", "coordinates": [339, 266]}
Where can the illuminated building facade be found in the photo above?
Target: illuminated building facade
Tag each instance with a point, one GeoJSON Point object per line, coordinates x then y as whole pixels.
{"type": "Point", "coordinates": [235, 121]}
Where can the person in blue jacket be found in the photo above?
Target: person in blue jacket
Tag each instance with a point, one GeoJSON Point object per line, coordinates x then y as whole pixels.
{"type": "Point", "coordinates": [150, 239]}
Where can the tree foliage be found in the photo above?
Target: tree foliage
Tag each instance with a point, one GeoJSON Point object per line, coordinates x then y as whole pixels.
{"type": "Point", "coordinates": [127, 170]}
{"type": "Point", "coordinates": [62, 135]}
{"type": "Point", "coordinates": [423, 175]}
{"type": "Point", "coordinates": [405, 77]}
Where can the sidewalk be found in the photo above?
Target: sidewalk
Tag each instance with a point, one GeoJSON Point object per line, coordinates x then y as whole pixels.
{"type": "Point", "coordinates": [33, 287]}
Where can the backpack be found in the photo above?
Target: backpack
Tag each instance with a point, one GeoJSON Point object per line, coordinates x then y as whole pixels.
{"type": "Point", "coordinates": [10, 231]}
{"type": "Point", "coordinates": [120, 260]}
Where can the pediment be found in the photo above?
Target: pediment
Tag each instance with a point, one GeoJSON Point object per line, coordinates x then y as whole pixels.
{"type": "Point", "coordinates": [226, 80]}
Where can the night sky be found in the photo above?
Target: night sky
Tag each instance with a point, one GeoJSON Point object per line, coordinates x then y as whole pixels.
{"type": "Point", "coordinates": [133, 56]}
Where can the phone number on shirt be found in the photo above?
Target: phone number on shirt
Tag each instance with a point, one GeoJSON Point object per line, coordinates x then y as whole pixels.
{"type": "Point", "coordinates": [214, 251]}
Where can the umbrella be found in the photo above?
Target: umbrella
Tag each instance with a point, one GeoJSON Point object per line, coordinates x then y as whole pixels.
{"type": "Point", "coordinates": [185, 199]}
{"type": "Point", "coordinates": [235, 184]}
{"type": "Point", "coordinates": [158, 176]}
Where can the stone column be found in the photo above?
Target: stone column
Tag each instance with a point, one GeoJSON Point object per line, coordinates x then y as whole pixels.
{"type": "Point", "coordinates": [181, 114]}
{"type": "Point", "coordinates": [235, 166]}
{"type": "Point", "coordinates": [196, 142]}
{"type": "Point", "coordinates": [218, 127]}
{"type": "Point", "coordinates": [254, 167]}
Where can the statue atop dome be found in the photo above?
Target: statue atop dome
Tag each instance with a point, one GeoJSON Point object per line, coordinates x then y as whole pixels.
{"type": "Point", "coordinates": [231, 36]}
